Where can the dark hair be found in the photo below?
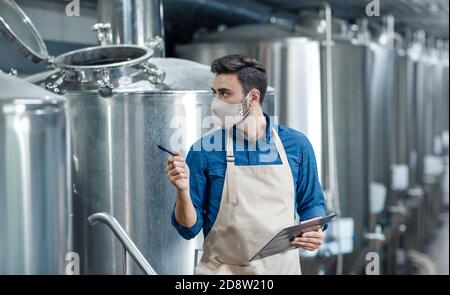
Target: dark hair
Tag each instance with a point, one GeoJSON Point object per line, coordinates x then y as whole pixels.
{"type": "Point", "coordinates": [251, 74]}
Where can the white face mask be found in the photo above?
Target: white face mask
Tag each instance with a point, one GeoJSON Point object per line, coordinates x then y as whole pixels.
{"type": "Point", "coordinates": [227, 115]}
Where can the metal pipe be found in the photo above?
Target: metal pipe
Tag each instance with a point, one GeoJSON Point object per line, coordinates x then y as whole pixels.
{"type": "Point", "coordinates": [332, 169]}
{"type": "Point", "coordinates": [138, 22]}
{"type": "Point", "coordinates": [123, 237]}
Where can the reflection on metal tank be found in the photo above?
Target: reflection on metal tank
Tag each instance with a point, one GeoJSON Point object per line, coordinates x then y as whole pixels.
{"type": "Point", "coordinates": [429, 103]}
{"type": "Point", "coordinates": [295, 66]}
{"type": "Point", "coordinates": [403, 94]}
{"type": "Point", "coordinates": [415, 119]}
{"type": "Point", "coordinates": [35, 198]}
{"type": "Point", "coordinates": [381, 125]}
{"type": "Point", "coordinates": [405, 118]}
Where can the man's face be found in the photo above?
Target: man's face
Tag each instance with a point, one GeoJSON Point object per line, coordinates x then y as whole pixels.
{"type": "Point", "coordinates": [228, 89]}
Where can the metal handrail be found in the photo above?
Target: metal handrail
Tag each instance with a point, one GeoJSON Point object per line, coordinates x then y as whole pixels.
{"type": "Point", "coordinates": [126, 241]}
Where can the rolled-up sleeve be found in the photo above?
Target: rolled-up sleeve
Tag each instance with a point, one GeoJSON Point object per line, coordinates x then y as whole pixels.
{"type": "Point", "coordinates": [310, 198]}
{"type": "Point", "coordinates": [197, 182]}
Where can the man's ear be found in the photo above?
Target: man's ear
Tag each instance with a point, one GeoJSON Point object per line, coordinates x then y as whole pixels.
{"type": "Point", "coordinates": [255, 95]}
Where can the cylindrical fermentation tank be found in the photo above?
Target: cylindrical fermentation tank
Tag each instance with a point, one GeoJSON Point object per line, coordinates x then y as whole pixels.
{"type": "Point", "coordinates": [382, 127]}
{"type": "Point", "coordinates": [123, 103]}
{"type": "Point", "coordinates": [35, 203]}
{"type": "Point", "coordinates": [404, 121]}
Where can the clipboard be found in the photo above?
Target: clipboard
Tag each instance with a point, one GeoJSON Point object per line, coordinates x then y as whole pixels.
{"type": "Point", "coordinates": [281, 242]}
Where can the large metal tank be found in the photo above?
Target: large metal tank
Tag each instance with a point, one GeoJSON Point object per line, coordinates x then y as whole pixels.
{"type": "Point", "coordinates": [404, 121]}
{"type": "Point", "coordinates": [122, 105]}
{"type": "Point", "coordinates": [119, 170]}
{"type": "Point", "coordinates": [434, 116]}
{"type": "Point", "coordinates": [35, 203]}
{"type": "Point", "coordinates": [430, 113]}
{"type": "Point", "coordinates": [382, 127]}
{"type": "Point", "coordinates": [415, 116]}
{"type": "Point", "coordinates": [296, 65]}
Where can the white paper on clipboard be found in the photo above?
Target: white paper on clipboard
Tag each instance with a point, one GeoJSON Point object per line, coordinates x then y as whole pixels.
{"type": "Point", "coordinates": [281, 242]}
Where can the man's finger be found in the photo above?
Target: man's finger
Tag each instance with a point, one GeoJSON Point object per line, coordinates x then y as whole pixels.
{"type": "Point", "coordinates": [308, 240]}
{"type": "Point", "coordinates": [176, 171]}
{"type": "Point", "coordinates": [175, 158]}
{"type": "Point", "coordinates": [306, 245]}
{"type": "Point", "coordinates": [312, 234]}
{"type": "Point", "coordinates": [178, 177]}
{"type": "Point", "coordinates": [183, 175]}
{"type": "Point", "coordinates": [178, 159]}
{"type": "Point", "coordinates": [312, 228]}
{"type": "Point", "coordinates": [178, 163]}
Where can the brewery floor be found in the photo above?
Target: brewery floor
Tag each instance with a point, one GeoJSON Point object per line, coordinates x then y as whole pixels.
{"type": "Point", "coordinates": [439, 248]}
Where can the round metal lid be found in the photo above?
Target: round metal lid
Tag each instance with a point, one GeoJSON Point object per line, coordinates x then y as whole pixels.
{"type": "Point", "coordinates": [17, 27]}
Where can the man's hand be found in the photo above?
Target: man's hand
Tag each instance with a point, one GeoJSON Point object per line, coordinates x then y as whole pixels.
{"type": "Point", "coordinates": [178, 172]}
{"type": "Point", "coordinates": [310, 240]}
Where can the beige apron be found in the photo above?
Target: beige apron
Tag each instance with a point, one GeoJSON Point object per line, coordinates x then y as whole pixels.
{"type": "Point", "coordinates": [257, 202]}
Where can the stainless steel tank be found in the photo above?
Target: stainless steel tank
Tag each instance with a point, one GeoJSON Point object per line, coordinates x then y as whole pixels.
{"type": "Point", "coordinates": [404, 121]}
{"type": "Point", "coordinates": [415, 115]}
{"type": "Point", "coordinates": [429, 108]}
{"type": "Point", "coordinates": [296, 65]}
{"type": "Point", "coordinates": [35, 195]}
{"type": "Point", "coordinates": [123, 103]}
{"type": "Point", "coordinates": [382, 129]}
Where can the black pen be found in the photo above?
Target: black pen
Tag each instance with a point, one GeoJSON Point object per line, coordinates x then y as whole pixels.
{"type": "Point", "coordinates": [166, 150]}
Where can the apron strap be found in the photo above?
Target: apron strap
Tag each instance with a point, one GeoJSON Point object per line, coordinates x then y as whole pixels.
{"type": "Point", "coordinates": [231, 168]}
{"type": "Point", "coordinates": [280, 148]}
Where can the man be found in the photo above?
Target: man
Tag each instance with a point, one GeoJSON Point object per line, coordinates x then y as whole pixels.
{"type": "Point", "coordinates": [251, 185]}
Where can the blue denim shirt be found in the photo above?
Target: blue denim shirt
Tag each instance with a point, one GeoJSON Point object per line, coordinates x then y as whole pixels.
{"type": "Point", "coordinates": [207, 164]}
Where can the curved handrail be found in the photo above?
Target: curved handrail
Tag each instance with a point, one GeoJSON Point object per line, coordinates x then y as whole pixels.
{"type": "Point", "coordinates": [126, 241]}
